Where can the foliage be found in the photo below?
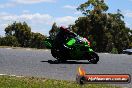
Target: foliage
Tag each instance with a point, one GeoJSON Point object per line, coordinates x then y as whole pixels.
{"type": "Point", "coordinates": [106, 31]}
{"type": "Point", "coordinates": [19, 34]}
{"type": "Point", "coordinates": [37, 40]}
{"type": "Point", "coordinates": [21, 31]}
{"type": "Point", "coordinates": [9, 41]}
{"type": "Point", "coordinates": [114, 51]}
{"type": "Point", "coordinates": [93, 7]}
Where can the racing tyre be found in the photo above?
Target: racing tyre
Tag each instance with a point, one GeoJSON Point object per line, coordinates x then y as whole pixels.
{"type": "Point", "coordinates": [93, 58]}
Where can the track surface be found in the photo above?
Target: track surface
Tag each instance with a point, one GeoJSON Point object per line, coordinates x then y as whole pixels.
{"type": "Point", "coordinates": [28, 62]}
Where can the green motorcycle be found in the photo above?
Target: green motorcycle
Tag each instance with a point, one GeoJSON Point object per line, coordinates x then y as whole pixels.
{"type": "Point", "coordinates": [71, 48]}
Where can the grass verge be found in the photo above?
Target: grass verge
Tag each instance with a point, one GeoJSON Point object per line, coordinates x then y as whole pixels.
{"type": "Point", "coordinates": [32, 82]}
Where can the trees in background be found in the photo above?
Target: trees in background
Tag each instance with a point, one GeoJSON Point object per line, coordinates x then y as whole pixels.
{"type": "Point", "coordinates": [106, 31]}
{"type": "Point", "coordinates": [20, 35]}
{"type": "Point", "coordinates": [37, 40]}
{"type": "Point", "coordinates": [130, 37]}
{"type": "Point", "coordinates": [9, 41]}
{"type": "Point", "coordinates": [21, 31]}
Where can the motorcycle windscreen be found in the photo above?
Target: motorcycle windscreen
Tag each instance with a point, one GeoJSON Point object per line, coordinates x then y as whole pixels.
{"type": "Point", "coordinates": [71, 42]}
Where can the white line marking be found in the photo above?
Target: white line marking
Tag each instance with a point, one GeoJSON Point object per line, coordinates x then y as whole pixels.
{"type": "Point", "coordinates": [46, 50]}
{"type": "Point", "coordinates": [106, 53]}
{"type": "Point", "coordinates": [19, 76]}
{"type": "Point", "coordinates": [28, 49]}
{"type": "Point", "coordinates": [8, 48]}
{"type": "Point", "coordinates": [11, 75]}
{"type": "Point", "coordinates": [2, 74]}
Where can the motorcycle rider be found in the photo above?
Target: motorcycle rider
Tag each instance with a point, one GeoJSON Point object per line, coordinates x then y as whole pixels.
{"type": "Point", "coordinates": [62, 35]}
{"type": "Point", "coordinates": [60, 39]}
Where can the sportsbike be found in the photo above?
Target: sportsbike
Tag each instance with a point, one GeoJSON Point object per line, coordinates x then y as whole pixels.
{"type": "Point", "coordinates": [72, 48]}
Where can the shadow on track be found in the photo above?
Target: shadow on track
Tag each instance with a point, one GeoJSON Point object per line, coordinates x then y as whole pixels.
{"type": "Point", "coordinates": [66, 62]}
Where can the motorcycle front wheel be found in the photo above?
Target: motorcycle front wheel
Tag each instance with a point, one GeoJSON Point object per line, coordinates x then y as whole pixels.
{"type": "Point", "coordinates": [56, 54]}
{"type": "Point", "coordinates": [92, 57]}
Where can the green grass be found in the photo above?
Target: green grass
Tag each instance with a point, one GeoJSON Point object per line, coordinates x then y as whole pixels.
{"type": "Point", "coordinates": [32, 82]}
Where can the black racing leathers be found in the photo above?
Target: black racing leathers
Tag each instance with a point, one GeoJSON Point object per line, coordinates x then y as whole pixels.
{"type": "Point", "coordinates": [60, 39]}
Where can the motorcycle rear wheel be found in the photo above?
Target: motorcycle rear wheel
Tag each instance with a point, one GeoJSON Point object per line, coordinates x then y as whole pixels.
{"type": "Point", "coordinates": [54, 53]}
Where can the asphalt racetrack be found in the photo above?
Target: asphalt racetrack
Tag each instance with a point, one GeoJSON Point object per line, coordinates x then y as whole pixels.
{"type": "Point", "coordinates": [28, 62]}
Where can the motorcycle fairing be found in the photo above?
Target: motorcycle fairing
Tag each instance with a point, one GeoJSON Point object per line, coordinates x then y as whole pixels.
{"type": "Point", "coordinates": [71, 42]}
{"type": "Point", "coordinates": [47, 43]}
